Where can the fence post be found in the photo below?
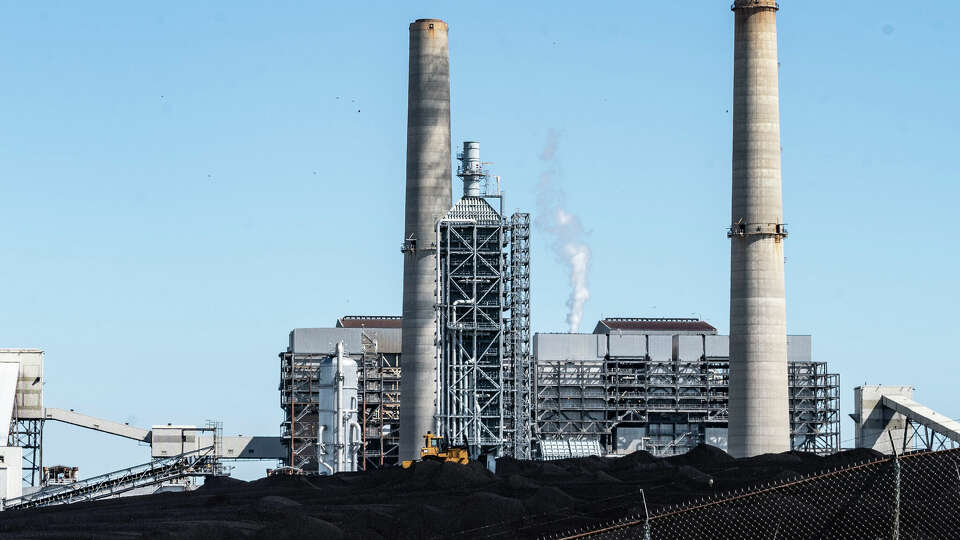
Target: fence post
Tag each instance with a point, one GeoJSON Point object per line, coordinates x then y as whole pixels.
{"type": "Point", "coordinates": [895, 533]}
{"type": "Point", "coordinates": [646, 517]}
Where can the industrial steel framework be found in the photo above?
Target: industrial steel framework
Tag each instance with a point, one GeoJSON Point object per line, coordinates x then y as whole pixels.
{"type": "Point", "coordinates": [471, 330]}
{"type": "Point", "coordinates": [202, 462]}
{"type": "Point", "coordinates": [814, 407]}
{"type": "Point", "coordinates": [571, 400]}
{"type": "Point", "coordinates": [379, 404]}
{"type": "Point", "coordinates": [518, 353]}
{"type": "Point", "coordinates": [918, 435]}
{"type": "Point", "coordinates": [674, 401]}
{"type": "Point", "coordinates": [299, 375]}
{"type": "Point", "coordinates": [484, 371]}
{"type": "Point", "coordinates": [378, 407]}
{"type": "Point", "coordinates": [27, 433]}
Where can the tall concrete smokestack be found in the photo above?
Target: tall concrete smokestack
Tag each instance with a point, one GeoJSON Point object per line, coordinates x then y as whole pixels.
{"type": "Point", "coordinates": [428, 199]}
{"type": "Point", "coordinates": [759, 417]}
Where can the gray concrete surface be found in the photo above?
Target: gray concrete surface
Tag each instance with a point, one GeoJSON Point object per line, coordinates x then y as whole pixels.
{"type": "Point", "coordinates": [759, 401]}
{"type": "Point", "coordinates": [873, 420]}
{"type": "Point", "coordinates": [428, 198]}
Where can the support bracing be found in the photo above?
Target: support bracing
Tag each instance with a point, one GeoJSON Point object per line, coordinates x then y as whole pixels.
{"type": "Point", "coordinates": [28, 435]}
{"type": "Point", "coordinates": [484, 363]}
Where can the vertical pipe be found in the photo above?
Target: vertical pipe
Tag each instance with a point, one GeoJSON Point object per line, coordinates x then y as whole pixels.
{"type": "Point", "coordinates": [759, 417]}
{"type": "Point", "coordinates": [428, 198]}
{"type": "Point", "coordinates": [339, 446]}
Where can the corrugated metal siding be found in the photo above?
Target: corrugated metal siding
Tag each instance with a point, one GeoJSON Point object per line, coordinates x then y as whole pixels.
{"type": "Point", "coordinates": [799, 348]}
{"type": "Point", "coordinates": [628, 345]}
{"type": "Point", "coordinates": [388, 339]}
{"type": "Point", "coordinates": [553, 347]}
{"type": "Point", "coordinates": [373, 321]}
{"type": "Point", "coordinates": [324, 340]}
{"type": "Point", "coordinates": [661, 348]}
{"type": "Point", "coordinates": [654, 326]}
{"type": "Point", "coordinates": [29, 388]}
{"type": "Point", "coordinates": [717, 346]}
{"type": "Point", "coordinates": [687, 348]}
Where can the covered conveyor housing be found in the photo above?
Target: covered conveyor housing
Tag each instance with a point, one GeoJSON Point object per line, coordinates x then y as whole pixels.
{"type": "Point", "coordinates": [888, 419]}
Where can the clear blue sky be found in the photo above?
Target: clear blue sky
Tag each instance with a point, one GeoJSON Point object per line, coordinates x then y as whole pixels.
{"type": "Point", "coordinates": [181, 183]}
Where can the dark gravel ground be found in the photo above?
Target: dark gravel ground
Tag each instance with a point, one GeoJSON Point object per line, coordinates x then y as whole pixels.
{"type": "Point", "coordinates": [525, 499]}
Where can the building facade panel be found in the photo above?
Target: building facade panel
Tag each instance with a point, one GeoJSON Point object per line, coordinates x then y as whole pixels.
{"type": "Point", "coordinates": [627, 345]}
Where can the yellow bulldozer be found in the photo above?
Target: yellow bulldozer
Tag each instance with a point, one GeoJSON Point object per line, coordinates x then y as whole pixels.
{"type": "Point", "coordinates": [434, 449]}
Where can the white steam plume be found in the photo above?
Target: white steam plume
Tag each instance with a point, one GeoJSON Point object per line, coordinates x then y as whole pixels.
{"type": "Point", "coordinates": [568, 239]}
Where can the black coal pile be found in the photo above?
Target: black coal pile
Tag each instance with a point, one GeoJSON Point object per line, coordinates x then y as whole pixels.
{"type": "Point", "coordinates": [524, 499]}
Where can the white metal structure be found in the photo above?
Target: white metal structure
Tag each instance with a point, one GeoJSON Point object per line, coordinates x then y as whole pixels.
{"type": "Point", "coordinates": [340, 435]}
{"type": "Point", "coordinates": [11, 464]}
{"type": "Point", "coordinates": [23, 369]}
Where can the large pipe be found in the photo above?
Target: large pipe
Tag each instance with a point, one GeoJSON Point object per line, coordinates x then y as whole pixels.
{"type": "Point", "coordinates": [428, 199]}
{"type": "Point", "coordinates": [338, 434]}
{"type": "Point", "coordinates": [758, 407]}
{"type": "Point", "coordinates": [322, 451]}
{"type": "Point", "coordinates": [471, 170]}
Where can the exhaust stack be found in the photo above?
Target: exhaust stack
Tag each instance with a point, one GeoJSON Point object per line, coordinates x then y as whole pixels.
{"type": "Point", "coordinates": [428, 198]}
{"type": "Point", "coordinates": [759, 415]}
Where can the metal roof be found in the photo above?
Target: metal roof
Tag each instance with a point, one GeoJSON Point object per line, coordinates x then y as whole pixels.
{"type": "Point", "coordinates": [944, 425]}
{"type": "Point", "coordinates": [476, 208]}
{"type": "Point", "coordinates": [645, 324]}
{"type": "Point", "coordinates": [369, 321]}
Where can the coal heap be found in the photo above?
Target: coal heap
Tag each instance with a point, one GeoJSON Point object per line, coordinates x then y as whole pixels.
{"type": "Point", "coordinates": [524, 499]}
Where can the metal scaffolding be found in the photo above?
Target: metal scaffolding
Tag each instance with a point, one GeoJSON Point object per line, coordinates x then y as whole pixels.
{"type": "Point", "coordinates": [471, 405]}
{"type": "Point", "coordinates": [484, 371]}
{"type": "Point", "coordinates": [669, 406]}
{"type": "Point", "coordinates": [378, 407]}
{"type": "Point", "coordinates": [379, 404]}
{"type": "Point", "coordinates": [299, 374]}
{"type": "Point", "coordinates": [814, 407]}
{"type": "Point", "coordinates": [571, 400]}
{"type": "Point", "coordinates": [518, 354]}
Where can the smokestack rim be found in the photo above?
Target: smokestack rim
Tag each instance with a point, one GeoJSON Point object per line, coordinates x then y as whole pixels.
{"type": "Point", "coordinates": [429, 24]}
{"type": "Point", "coordinates": [755, 4]}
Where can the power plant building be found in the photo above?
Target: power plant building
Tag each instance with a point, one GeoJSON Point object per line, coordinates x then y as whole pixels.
{"type": "Point", "coordinates": [460, 356]}
{"type": "Point", "coordinates": [660, 385]}
{"type": "Point", "coordinates": [481, 386]}
{"type": "Point", "coordinates": [373, 343]}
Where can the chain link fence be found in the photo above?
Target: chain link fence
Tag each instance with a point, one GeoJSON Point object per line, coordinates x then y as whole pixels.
{"type": "Point", "coordinates": [914, 495]}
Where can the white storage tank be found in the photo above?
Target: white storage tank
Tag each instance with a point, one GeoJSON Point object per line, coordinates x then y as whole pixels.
{"type": "Point", "coordinates": [340, 434]}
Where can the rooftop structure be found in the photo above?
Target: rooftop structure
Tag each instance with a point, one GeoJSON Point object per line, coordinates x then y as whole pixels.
{"type": "Point", "coordinates": [361, 321]}
{"type": "Point", "coordinates": [644, 325]}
